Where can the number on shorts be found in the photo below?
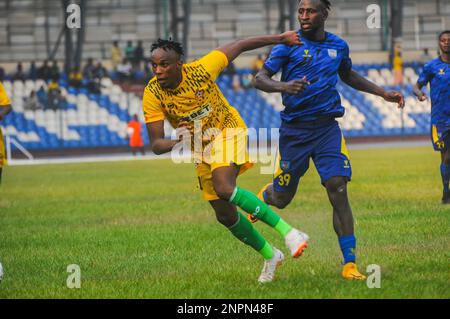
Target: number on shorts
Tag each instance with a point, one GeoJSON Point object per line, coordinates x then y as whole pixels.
{"type": "Point", "coordinates": [284, 179]}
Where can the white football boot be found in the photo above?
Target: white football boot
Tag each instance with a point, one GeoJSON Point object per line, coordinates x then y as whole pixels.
{"type": "Point", "coordinates": [296, 241]}
{"type": "Point", "coordinates": [268, 271]}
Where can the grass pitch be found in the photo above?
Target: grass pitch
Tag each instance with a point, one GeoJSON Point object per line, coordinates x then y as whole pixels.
{"type": "Point", "coordinates": [141, 230]}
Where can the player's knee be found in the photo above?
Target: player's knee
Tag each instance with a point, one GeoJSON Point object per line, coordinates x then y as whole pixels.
{"type": "Point", "coordinates": [281, 200]}
{"type": "Point", "coordinates": [226, 218]}
{"type": "Point", "coordinates": [336, 186]}
{"type": "Point", "coordinates": [224, 191]}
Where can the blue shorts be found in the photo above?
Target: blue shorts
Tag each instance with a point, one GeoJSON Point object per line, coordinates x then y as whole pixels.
{"type": "Point", "coordinates": [320, 140]}
{"type": "Point", "coordinates": [440, 136]}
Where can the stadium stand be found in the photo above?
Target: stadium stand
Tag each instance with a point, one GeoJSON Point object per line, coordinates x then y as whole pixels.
{"type": "Point", "coordinates": [100, 120]}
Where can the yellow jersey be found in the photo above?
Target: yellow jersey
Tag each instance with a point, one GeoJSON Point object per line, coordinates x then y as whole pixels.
{"type": "Point", "coordinates": [4, 100]}
{"type": "Point", "coordinates": [198, 97]}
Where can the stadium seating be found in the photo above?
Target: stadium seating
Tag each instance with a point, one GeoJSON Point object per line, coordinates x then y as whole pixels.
{"type": "Point", "coordinates": [100, 120]}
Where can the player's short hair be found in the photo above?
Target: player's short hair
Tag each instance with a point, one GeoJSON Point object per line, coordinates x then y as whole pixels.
{"type": "Point", "coordinates": [442, 33]}
{"type": "Point", "coordinates": [167, 45]}
{"type": "Point", "coordinates": [325, 3]}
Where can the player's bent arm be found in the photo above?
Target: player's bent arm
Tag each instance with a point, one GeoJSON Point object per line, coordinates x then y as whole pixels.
{"type": "Point", "coordinates": [159, 144]}
{"type": "Point", "coordinates": [264, 82]}
{"type": "Point", "coordinates": [4, 110]}
{"type": "Point", "coordinates": [234, 49]}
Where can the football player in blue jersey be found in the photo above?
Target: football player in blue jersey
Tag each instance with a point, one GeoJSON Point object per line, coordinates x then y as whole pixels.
{"type": "Point", "coordinates": [309, 129]}
{"type": "Point", "coordinates": [437, 73]}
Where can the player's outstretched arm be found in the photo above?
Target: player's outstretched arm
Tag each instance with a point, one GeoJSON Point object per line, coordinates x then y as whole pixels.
{"type": "Point", "coordinates": [419, 93]}
{"type": "Point", "coordinates": [159, 144]}
{"type": "Point", "coordinates": [234, 49]}
{"type": "Point", "coordinates": [4, 110]}
{"type": "Point", "coordinates": [358, 82]}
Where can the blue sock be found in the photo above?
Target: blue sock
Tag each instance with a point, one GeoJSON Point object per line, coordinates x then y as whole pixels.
{"type": "Point", "coordinates": [348, 247]}
{"type": "Point", "coordinates": [445, 173]}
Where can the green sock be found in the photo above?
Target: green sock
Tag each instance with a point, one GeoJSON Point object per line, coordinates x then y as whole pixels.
{"type": "Point", "coordinates": [245, 232]}
{"type": "Point", "coordinates": [251, 204]}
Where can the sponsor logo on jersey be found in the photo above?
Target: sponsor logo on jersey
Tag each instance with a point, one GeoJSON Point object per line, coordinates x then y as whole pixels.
{"type": "Point", "coordinates": [199, 114]}
{"type": "Point", "coordinates": [306, 55]}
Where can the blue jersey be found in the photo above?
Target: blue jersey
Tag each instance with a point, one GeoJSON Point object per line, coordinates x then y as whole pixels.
{"type": "Point", "coordinates": [320, 62]}
{"type": "Point", "coordinates": [437, 72]}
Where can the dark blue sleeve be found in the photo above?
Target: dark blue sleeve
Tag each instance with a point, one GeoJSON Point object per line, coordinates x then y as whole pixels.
{"type": "Point", "coordinates": [346, 63]}
{"type": "Point", "coordinates": [277, 58]}
{"type": "Point", "coordinates": [426, 75]}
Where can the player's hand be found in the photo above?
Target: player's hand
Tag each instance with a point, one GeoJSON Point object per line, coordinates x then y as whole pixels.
{"type": "Point", "coordinates": [395, 97]}
{"type": "Point", "coordinates": [421, 96]}
{"type": "Point", "coordinates": [295, 86]}
{"type": "Point", "coordinates": [291, 38]}
{"type": "Point", "coordinates": [185, 126]}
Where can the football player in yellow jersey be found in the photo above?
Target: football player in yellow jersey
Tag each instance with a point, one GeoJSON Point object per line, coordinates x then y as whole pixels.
{"type": "Point", "coordinates": [188, 97]}
{"type": "Point", "coordinates": [5, 108]}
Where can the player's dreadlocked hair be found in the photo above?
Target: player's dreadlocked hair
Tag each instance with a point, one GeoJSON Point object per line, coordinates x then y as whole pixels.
{"type": "Point", "coordinates": [168, 45]}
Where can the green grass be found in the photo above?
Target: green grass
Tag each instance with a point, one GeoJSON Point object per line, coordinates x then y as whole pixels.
{"type": "Point", "coordinates": [141, 230]}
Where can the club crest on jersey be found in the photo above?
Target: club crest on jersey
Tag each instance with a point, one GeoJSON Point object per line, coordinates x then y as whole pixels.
{"type": "Point", "coordinates": [306, 55]}
{"type": "Point", "coordinates": [441, 72]}
{"type": "Point", "coordinates": [285, 165]}
{"type": "Point", "coordinates": [332, 53]}
{"type": "Point", "coordinates": [199, 94]}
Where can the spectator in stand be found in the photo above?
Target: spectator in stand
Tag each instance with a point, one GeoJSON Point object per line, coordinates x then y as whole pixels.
{"type": "Point", "coordinates": [54, 71]}
{"type": "Point", "coordinates": [19, 75]}
{"type": "Point", "coordinates": [116, 55]}
{"type": "Point", "coordinates": [258, 63]}
{"type": "Point", "coordinates": [54, 96]}
{"type": "Point", "coordinates": [236, 83]}
{"type": "Point", "coordinates": [75, 78]}
{"type": "Point", "coordinates": [44, 71]}
{"type": "Point", "coordinates": [134, 135]}
{"type": "Point", "coordinates": [148, 70]}
{"type": "Point", "coordinates": [100, 71]}
{"type": "Point", "coordinates": [42, 97]}
{"type": "Point", "coordinates": [124, 70]}
{"type": "Point", "coordinates": [398, 68]}
{"type": "Point", "coordinates": [247, 80]}
{"type": "Point", "coordinates": [32, 71]}
{"type": "Point", "coordinates": [32, 102]}
{"type": "Point", "coordinates": [129, 51]}
{"type": "Point", "coordinates": [425, 57]}
{"type": "Point", "coordinates": [138, 56]}
{"type": "Point", "coordinates": [88, 70]}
